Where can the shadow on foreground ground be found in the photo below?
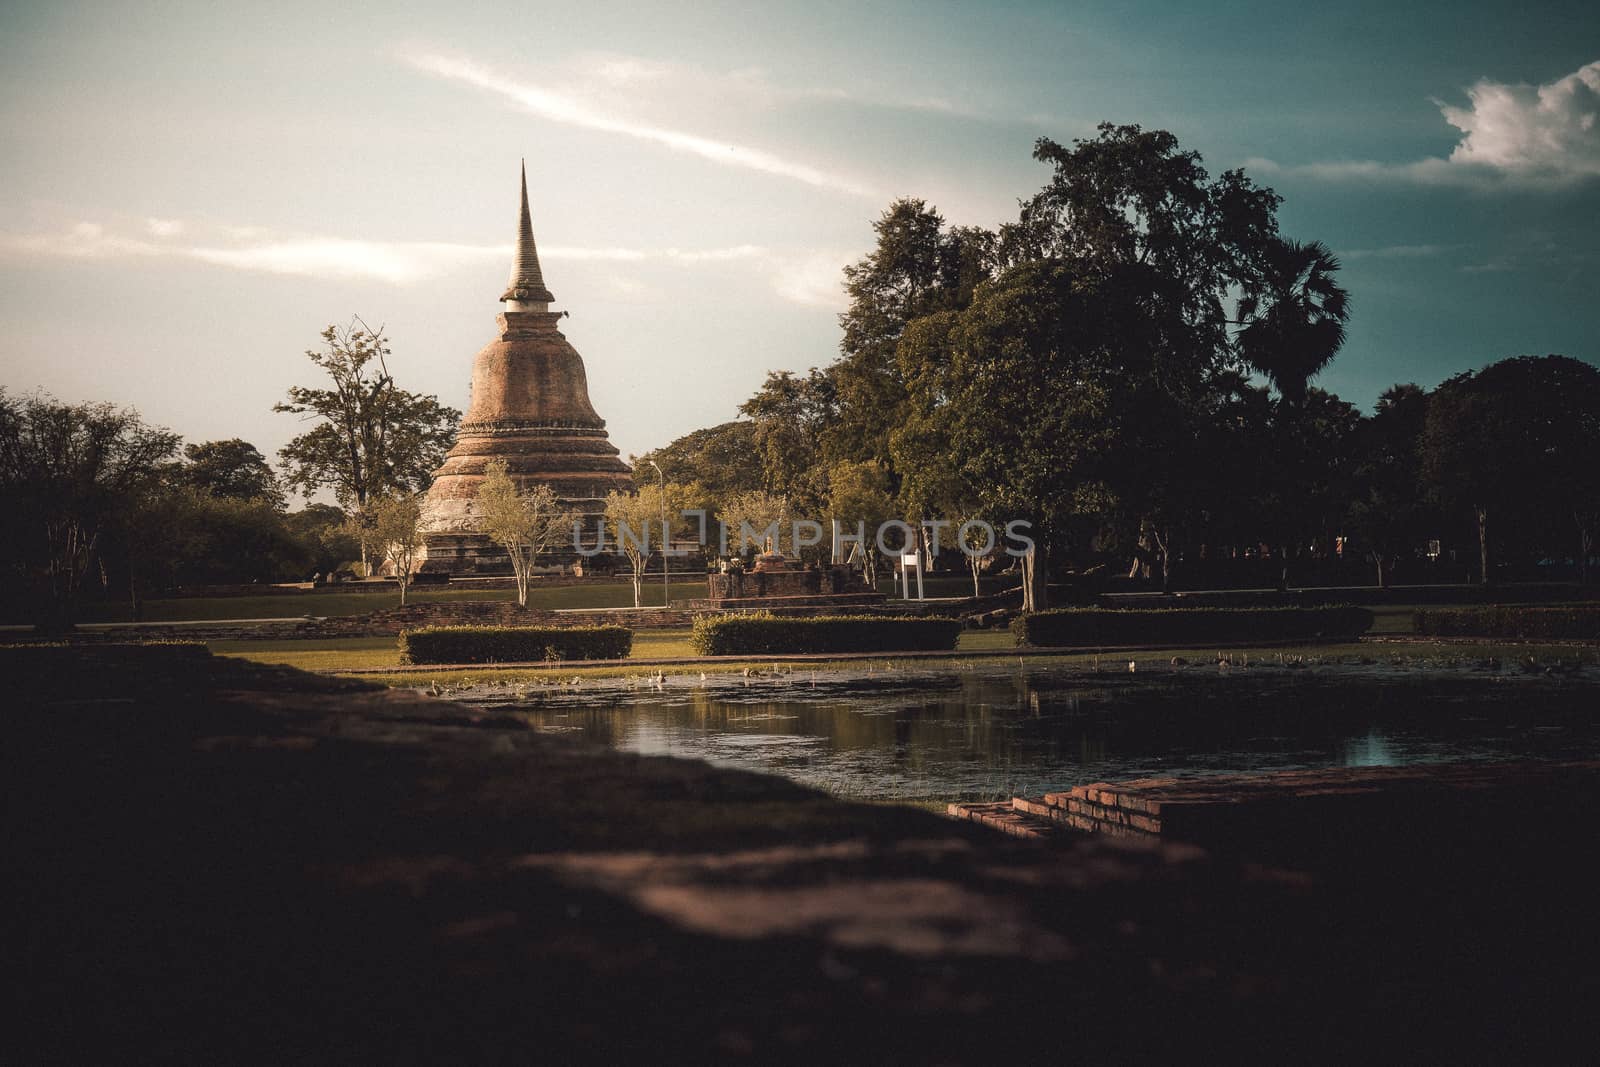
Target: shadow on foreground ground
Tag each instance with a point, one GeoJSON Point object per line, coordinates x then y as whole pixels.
{"type": "Point", "coordinates": [216, 861]}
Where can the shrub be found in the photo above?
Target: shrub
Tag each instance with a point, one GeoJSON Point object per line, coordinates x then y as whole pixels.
{"type": "Point", "coordinates": [513, 644]}
{"type": "Point", "coordinates": [736, 635]}
{"type": "Point", "coordinates": [1566, 621]}
{"type": "Point", "coordinates": [1136, 626]}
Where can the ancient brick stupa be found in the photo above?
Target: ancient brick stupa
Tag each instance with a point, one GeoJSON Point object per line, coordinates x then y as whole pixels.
{"type": "Point", "coordinates": [530, 407]}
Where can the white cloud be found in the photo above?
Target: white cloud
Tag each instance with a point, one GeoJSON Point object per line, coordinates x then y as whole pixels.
{"type": "Point", "coordinates": [1420, 172]}
{"type": "Point", "coordinates": [802, 277]}
{"type": "Point", "coordinates": [1546, 135]}
{"type": "Point", "coordinates": [1493, 266]}
{"type": "Point", "coordinates": [83, 240]}
{"type": "Point", "coordinates": [574, 111]}
{"type": "Point", "coordinates": [563, 252]}
{"type": "Point", "coordinates": [815, 279]}
{"type": "Point", "coordinates": [1545, 131]}
{"type": "Point", "coordinates": [685, 87]}
{"type": "Point", "coordinates": [163, 227]}
{"type": "Point", "coordinates": [249, 248]}
{"type": "Point", "coordinates": [401, 263]}
{"type": "Point", "coordinates": [713, 255]}
{"type": "Point", "coordinates": [1394, 252]}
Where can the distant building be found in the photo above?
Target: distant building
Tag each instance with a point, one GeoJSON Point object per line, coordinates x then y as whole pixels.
{"type": "Point", "coordinates": [530, 407]}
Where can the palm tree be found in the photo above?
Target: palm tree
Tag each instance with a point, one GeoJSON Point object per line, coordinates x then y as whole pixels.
{"type": "Point", "coordinates": [1293, 316]}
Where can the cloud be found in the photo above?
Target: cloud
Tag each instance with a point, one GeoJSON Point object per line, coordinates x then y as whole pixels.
{"type": "Point", "coordinates": [799, 276]}
{"type": "Point", "coordinates": [249, 248]}
{"type": "Point", "coordinates": [574, 111]}
{"type": "Point", "coordinates": [1546, 131]}
{"type": "Point", "coordinates": [163, 227]}
{"type": "Point", "coordinates": [560, 252]}
{"type": "Point", "coordinates": [1395, 252]}
{"type": "Point", "coordinates": [401, 263]}
{"type": "Point", "coordinates": [1420, 172]}
{"type": "Point", "coordinates": [1493, 266]}
{"type": "Point", "coordinates": [686, 87]}
{"type": "Point", "coordinates": [814, 279]}
{"type": "Point", "coordinates": [1512, 134]}
{"type": "Point", "coordinates": [84, 240]}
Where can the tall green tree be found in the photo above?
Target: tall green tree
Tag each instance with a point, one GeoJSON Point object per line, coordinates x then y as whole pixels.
{"type": "Point", "coordinates": [1515, 444]}
{"type": "Point", "coordinates": [324, 534]}
{"type": "Point", "coordinates": [524, 521]}
{"type": "Point", "coordinates": [190, 537]}
{"type": "Point", "coordinates": [234, 469]}
{"type": "Point", "coordinates": [68, 474]}
{"type": "Point", "coordinates": [396, 529]}
{"type": "Point", "coordinates": [1131, 196]}
{"type": "Point", "coordinates": [1024, 393]}
{"type": "Point", "coordinates": [1292, 314]}
{"type": "Point", "coordinates": [789, 416]}
{"type": "Point", "coordinates": [1388, 513]}
{"type": "Point", "coordinates": [860, 501]}
{"type": "Point", "coordinates": [370, 437]}
{"type": "Point", "coordinates": [917, 267]}
{"type": "Point", "coordinates": [1311, 467]}
{"type": "Point", "coordinates": [634, 522]}
{"type": "Point", "coordinates": [760, 512]}
{"type": "Point", "coordinates": [1156, 248]}
{"type": "Point", "coordinates": [725, 459]}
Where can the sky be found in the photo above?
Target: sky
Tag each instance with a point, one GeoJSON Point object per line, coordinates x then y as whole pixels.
{"type": "Point", "coordinates": [192, 192]}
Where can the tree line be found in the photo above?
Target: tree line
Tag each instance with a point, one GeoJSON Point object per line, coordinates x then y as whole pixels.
{"type": "Point", "coordinates": [99, 503]}
{"type": "Point", "coordinates": [1127, 366]}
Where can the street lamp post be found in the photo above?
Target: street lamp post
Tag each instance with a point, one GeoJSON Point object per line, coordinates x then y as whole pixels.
{"type": "Point", "coordinates": [666, 541]}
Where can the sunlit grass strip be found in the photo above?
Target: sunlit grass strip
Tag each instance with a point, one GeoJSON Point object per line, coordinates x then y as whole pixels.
{"type": "Point", "coordinates": [1414, 654]}
{"type": "Point", "coordinates": [738, 635]}
{"type": "Point", "coordinates": [333, 653]}
{"type": "Point", "coordinates": [1089, 627]}
{"type": "Point", "coordinates": [356, 653]}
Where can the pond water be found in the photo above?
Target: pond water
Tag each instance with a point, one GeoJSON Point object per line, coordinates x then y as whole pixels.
{"type": "Point", "coordinates": [992, 734]}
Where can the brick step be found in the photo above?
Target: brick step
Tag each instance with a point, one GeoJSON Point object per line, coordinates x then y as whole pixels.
{"type": "Point", "coordinates": [1033, 806]}
{"type": "Point", "coordinates": [1303, 816]}
{"type": "Point", "coordinates": [1001, 816]}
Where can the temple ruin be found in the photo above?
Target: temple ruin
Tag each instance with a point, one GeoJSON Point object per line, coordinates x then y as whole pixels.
{"type": "Point", "coordinates": [530, 407]}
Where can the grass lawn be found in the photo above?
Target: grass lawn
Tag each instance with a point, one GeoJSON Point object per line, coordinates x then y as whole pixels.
{"type": "Point", "coordinates": [330, 654]}
{"type": "Point", "coordinates": [357, 652]}
{"type": "Point", "coordinates": [596, 594]}
{"type": "Point", "coordinates": [1419, 655]}
{"type": "Point", "coordinates": [1392, 619]}
{"type": "Point", "coordinates": [347, 652]}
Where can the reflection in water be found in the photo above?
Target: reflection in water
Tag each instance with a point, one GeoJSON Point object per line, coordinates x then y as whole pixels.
{"type": "Point", "coordinates": [977, 735]}
{"type": "Point", "coordinates": [1373, 750]}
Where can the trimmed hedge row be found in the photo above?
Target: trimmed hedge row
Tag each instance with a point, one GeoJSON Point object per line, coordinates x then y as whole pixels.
{"type": "Point", "coordinates": [513, 644]}
{"type": "Point", "coordinates": [1562, 622]}
{"type": "Point", "coordinates": [1067, 627]}
{"type": "Point", "coordinates": [737, 635]}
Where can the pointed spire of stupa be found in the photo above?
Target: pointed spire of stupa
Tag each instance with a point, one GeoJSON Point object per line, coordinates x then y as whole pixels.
{"type": "Point", "coordinates": [526, 290]}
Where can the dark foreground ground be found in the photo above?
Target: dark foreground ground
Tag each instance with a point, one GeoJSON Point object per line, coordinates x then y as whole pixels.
{"type": "Point", "coordinates": [212, 861]}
